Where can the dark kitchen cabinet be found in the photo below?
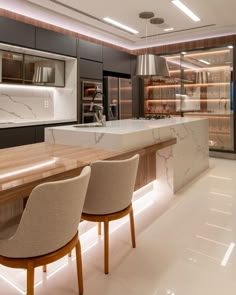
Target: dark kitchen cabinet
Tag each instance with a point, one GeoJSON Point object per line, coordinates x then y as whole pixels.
{"type": "Point", "coordinates": [133, 60]}
{"type": "Point", "coordinates": [50, 41]}
{"type": "Point", "coordinates": [116, 61]}
{"type": "Point", "coordinates": [16, 33]}
{"type": "Point", "coordinates": [90, 69]}
{"type": "Point", "coordinates": [17, 136]}
{"type": "Point", "coordinates": [89, 50]}
{"type": "Point", "coordinates": [39, 133]}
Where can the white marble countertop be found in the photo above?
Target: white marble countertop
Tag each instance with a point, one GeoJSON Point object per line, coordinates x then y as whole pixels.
{"type": "Point", "coordinates": [128, 125]}
{"type": "Point", "coordinates": [26, 122]}
{"type": "Point", "coordinates": [186, 159]}
{"type": "Point", "coordinates": [121, 134]}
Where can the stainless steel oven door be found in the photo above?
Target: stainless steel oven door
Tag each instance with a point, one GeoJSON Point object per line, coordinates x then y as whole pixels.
{"type": "Point", "coordinates": [89, 88]}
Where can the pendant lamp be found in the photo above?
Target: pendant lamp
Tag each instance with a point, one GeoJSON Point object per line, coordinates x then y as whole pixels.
{"type": "Point", "coordinates": [149, 65]}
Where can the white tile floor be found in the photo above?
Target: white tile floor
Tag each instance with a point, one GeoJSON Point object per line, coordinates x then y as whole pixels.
{"type": "Point", "coordinates": [187, 250]}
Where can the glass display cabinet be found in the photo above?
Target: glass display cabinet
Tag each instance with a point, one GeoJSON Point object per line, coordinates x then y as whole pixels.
{"type": "Point", "coordinates": [201, 85]}
{"type": "Point", "coordinates": [19, 68]}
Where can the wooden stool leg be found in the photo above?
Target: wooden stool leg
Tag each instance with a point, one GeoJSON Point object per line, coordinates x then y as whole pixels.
{"type": "Point", "coordinates": [79, 268]}
{"type": "Point", "coordinates": [131, 218]}
{"type": "Point", "coordinates": [30, 279]}
{"type": "Point", "coordinates": [106, 246]}
{"type": "Point", "coordinates": [44, 268]}
{"type": "Point", "coordinates": [99, 228]}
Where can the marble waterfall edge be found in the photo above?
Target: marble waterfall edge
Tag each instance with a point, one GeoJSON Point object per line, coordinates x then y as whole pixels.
{"type": "Point", "coordinates": [176, 166]}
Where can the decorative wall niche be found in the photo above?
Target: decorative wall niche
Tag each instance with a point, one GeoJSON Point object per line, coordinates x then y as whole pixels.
{"type": "Point", "coordinates": [20, 68]}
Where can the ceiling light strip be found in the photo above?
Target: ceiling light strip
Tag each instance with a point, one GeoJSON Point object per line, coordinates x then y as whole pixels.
{"type": "Point", "coordinates": [120, 25]}
{"type": "Point", "coordinates": [186, 10]}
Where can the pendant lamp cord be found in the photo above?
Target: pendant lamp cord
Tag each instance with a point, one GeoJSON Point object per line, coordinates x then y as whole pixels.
{"type": "Point", "coordinates": [146, 37]}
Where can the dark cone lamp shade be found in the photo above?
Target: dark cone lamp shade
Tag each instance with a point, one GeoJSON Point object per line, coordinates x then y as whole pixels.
{"type": "Point", "coordinates": [149, 65]}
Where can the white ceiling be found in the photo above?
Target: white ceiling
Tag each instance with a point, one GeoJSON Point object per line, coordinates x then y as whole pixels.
{"type": "Point", "coordinates": [217, 19]}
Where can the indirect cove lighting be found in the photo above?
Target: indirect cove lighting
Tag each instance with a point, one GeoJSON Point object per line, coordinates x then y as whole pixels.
{"type": "Point", "coordinates": [119, 25]}
{"type": "Point", "coordinates": [186, 10]}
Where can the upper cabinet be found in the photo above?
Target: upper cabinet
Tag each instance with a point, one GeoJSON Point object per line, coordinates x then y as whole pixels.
{"type": "Point", "coordinates": [16, 33]}
{"type": "Point", "coordinates": [116, 61]}
{"type": "Point", "coordinates": [90, 69]}
{"type": "Point", "coordinates": [18, 68]}
{"type": "Point", "coordinates": [50, 41]}
{"type": "Point", "coordinates": [89, 50]}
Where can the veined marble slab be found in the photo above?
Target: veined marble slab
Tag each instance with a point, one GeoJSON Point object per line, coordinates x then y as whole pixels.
{"type": "Point", "coordinates": [176, 166]}
{"type": "Point", "coordinates": [22, 103]}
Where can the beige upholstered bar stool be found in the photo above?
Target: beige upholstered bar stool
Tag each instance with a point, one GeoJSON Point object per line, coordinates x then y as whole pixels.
{"type": "Point", "coordinates": [48, 229]}
{"type": "Point", "coordinates": [109, 196]}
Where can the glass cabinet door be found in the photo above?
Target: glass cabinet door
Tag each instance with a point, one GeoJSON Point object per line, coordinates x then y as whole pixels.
{"type": "Point", "coordinates": [201, 85]}
{"type": "Point", "coordinates": [11, 67]}
{"type": "Point", "coordinates": [208, 92]}
{"type": "Point", "coordinates": [162, 95]}
{"type": "Point", "coordinates": [20, 68]}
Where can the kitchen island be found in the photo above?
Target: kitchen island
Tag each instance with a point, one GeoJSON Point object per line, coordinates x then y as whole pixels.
{"type": "Point", "coordinates": [175, 165]}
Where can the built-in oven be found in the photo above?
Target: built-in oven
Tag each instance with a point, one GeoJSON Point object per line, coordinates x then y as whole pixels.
{"type": "Point", "coordinates": [91, 89]}
{"type": "Point", "coordinates": [87, 115]}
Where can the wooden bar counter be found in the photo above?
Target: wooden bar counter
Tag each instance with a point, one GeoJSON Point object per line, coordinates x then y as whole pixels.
{"type": "Point", "coordinates": [22, 168]}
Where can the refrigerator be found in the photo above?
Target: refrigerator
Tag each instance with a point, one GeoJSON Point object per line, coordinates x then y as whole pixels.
{"type": "Point", "coordinates": [118, 98]}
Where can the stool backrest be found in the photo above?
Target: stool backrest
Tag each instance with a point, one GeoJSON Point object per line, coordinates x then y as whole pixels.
{"type": "Point", "coordinates": [111, 186]}
{"type": "Point", "coordinates": [50, 219]}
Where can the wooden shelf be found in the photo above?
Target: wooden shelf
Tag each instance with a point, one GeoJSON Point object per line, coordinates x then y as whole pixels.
{"type": "Point", "coordinates": [15, 79]}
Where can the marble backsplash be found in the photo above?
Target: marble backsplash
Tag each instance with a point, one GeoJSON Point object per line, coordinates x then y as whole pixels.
{"type": "Point", "coordinates": [19, 102]}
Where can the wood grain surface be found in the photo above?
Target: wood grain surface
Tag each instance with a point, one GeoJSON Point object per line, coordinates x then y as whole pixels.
{"type": "Point", "coordinates": [22, 168]}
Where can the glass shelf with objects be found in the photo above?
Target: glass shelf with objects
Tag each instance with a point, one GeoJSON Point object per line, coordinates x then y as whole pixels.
{"type": "Point", "coordinates": [210, 92]}
{"type": "Point", "coordinates": [201, 85]}
{"type": "Point", "coordinates": [162, 95]}
{"type": "Point", "coordinates": [25, 69]}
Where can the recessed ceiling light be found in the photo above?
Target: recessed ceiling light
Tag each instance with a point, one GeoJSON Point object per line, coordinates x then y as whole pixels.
{"type": "Point", "coordinates": [119, 25]}
{"type": "Point", "coordinates": [204, 61]}
{"type": "Point", "coordinates": [186, 10]}
{"type": "Point", "coordinates": [168, 29]}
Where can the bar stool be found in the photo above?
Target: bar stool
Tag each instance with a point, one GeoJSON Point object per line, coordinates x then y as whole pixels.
{"type": "Point", "coordinates": [109, 196]}
{"type": "Point", "coordinates": [48, 229]}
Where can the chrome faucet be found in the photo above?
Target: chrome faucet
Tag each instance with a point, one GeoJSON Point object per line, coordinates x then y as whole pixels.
{"type": "Point", "coordinates": [97, 110]}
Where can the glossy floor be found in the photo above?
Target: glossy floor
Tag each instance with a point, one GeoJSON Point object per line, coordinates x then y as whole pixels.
{"type": "Point", "coordinates": [185, 245]}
